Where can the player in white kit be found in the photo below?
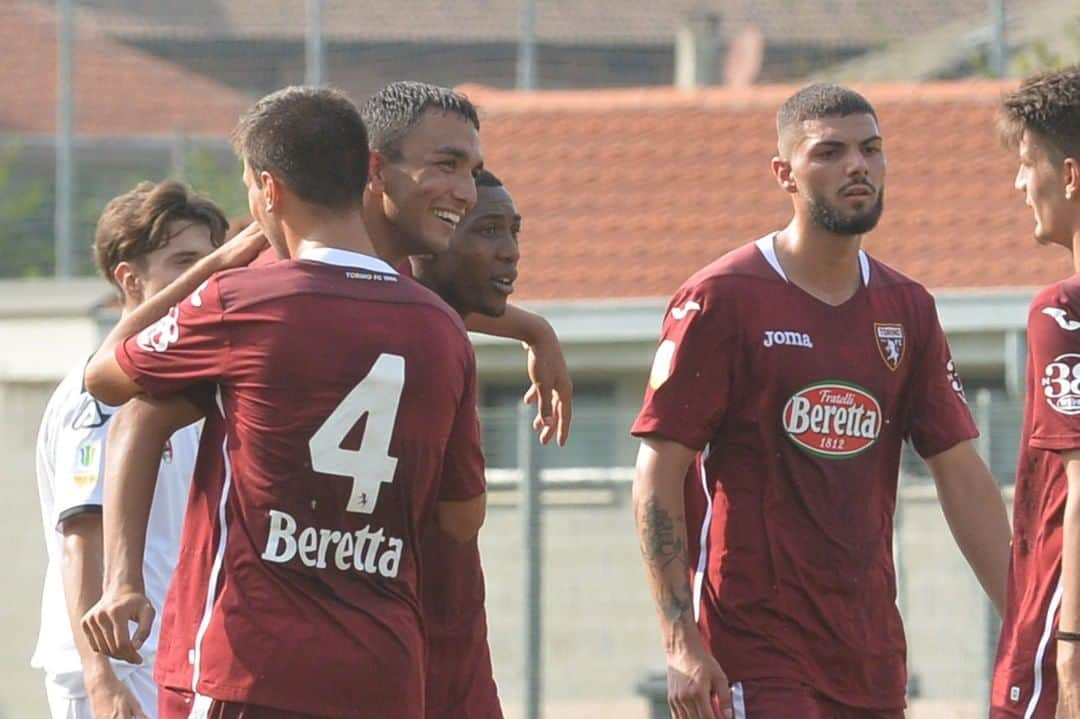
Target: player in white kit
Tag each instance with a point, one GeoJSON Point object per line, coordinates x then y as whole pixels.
{"type": "Point", "coordinates": [145, 239]}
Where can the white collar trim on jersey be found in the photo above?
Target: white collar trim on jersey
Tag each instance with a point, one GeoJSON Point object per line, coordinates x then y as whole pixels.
{"type": "Point", "coordinates": [346, 258]}
{"type": "Point", "coordinates": [766, 245]}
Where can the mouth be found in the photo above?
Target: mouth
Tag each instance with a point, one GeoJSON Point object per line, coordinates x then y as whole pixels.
{"type": "Point", "coordinates": [504, 283]}
{"type": "Point", "coordinates": [858, 191]}
{"type": "Point", "coordinates": [449, 217]}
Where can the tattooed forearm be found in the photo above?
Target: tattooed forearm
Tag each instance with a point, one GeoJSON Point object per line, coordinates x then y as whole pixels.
{"type": "Point", "coordinates": [675, 602]}
{"type": "Point", "coordinates": [660, 541]}
{"type": "Point", "coordinates": [663, 546]}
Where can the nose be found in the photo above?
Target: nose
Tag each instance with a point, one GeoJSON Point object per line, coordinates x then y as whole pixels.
{"type": "Point", "coordinates": [465, 190]}
{"type": "Point", "coordinates": [507, 250]}
{"type": "Point", "coordinates": [857, 165]}
{"type": "Point", "coordinates": [1020, 182]}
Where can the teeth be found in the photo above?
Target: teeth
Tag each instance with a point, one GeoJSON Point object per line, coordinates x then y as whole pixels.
{"type": "Point", "coordinates": [452, 217]}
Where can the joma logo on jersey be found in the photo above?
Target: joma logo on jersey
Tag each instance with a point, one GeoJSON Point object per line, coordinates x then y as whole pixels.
{"type": "Point", "coordinates": [360, 551]}
{"type": "Point", "coordinates": [784, 337]}
{"type": "Point", "coordinates": [835, 420]}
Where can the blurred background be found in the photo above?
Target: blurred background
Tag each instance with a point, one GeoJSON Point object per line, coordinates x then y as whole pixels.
{"type": "Point", "coordinates": [635, 136]}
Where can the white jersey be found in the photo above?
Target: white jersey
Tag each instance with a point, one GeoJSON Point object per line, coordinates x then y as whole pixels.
{"type": "Point", "coordinates": [70, 469]}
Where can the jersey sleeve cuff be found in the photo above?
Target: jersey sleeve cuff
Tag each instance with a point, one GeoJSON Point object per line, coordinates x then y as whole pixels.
{"type": "Point", "coordinates": [76, 511]}
{"type": "Point", "coordinates": [652, 427]}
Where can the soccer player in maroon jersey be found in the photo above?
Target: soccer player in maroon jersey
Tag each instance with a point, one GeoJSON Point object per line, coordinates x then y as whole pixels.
{"type": "Point", "coordinates": [425, 149]}
{"type": "Point", "coordinates": [1037, 672]}
{"type": "Point", "coordinates": [474, 275]}
{"type": "Point", "coordinates": [341, 421]}
{"type": "Point", "coordinates": [788, 375]}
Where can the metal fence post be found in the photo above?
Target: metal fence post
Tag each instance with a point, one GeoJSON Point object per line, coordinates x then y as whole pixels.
{"type": "Point", "coordinates": [984, 401]}
{"type": "Point", "coordinates": [529, 498]}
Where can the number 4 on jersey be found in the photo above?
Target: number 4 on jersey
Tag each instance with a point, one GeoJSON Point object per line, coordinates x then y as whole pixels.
{"type": "Point", "coordinates": [377, 396]}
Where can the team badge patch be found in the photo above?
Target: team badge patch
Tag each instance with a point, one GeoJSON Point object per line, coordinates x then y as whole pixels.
{"type": "Point", "coordinates": [86, 463]}
{"type": "Point", "coordinates": [890, 343]}
{"type": "Point", "coordinates": [661, 366]}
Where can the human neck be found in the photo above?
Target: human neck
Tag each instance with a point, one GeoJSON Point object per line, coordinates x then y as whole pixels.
{"type": "Point", "coordinates": [381, 233]}
{"type": "Point", "coordinates": [345, 231]}
{"type": "Point", "coordinates": [1075, 248]}
{"type": "Point", "coordinates": [823, 263]}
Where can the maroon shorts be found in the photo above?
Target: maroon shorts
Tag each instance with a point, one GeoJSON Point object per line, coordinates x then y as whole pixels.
{"type": "Point", "coordinates": [176, 704]}
{"type": "Point", "coordinates": [784, 699]}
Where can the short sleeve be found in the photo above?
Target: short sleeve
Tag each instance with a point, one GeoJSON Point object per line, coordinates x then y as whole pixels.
{"type": "Point", "coordinates": [1054, 344]}
{"type": "Point", "coordinates": [689, 384]}
{"type": "Point", "coordinates": [79, 462]}
{"type": "Point", "coordinates": [188, 345]}
{"type": "Point", "coordinates": [463, 463]}
{"type": "Point", "coordinates": [940, 417]}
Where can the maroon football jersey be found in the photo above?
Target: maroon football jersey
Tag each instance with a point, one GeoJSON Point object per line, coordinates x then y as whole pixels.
{"type": "Point", "coordinates": [1025, 674]}
{"type": "Point", "coordinates": [345, 408]}
{"type": "Point", "coordinates": [799, 409]}
{"type": "Point", "coordinates": [460, 680]}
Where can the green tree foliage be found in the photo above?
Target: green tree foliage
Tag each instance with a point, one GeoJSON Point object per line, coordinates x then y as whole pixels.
{"type": "Point", "coordinates": [25, 226]}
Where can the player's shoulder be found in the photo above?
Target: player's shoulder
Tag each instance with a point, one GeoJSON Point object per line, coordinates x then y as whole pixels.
{"type": "Point", "coordinates": [886, 277]}
{"type": "Point", "coordinates": [72, 408]}
{"type": "Point", "coordinates": [885, 280]}
{"type": "Point", "coordinates": [1056, 304]}
{"type": "Point", "coordinates": [734, 271]}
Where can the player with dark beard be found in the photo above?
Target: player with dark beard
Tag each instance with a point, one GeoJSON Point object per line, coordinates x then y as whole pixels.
{"type": "Point", "coordinates": [788, 375]}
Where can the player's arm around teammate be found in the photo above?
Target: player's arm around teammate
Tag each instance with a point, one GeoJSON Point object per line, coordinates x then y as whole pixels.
{"type": "Point", "coordinates": [104, 377]}
{"type": "Point", "coordinates": [550, 384]}
{"type": "Point", "coordinates": [695, 678]}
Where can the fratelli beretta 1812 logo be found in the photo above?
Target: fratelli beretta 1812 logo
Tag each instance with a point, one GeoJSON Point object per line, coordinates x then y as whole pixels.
{"type": "Point", "coordinates": [832, 419]}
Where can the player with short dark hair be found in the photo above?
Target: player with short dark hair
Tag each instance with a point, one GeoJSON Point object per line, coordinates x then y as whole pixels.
{"type": "Point", "coordinates": [475, 274]}
{"type": "Point", "coordinates": [145, 238]}
{"type": "Point", "coordinates": [1037, 672]}
{"type": "Point", "coordinates": [340, 423]}
{"type": "Point", "coordinates": [425, 153]}
{"type": "Point", "coordinates": [788, 375]}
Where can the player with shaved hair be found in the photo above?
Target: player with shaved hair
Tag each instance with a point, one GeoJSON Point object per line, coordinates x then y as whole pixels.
{"type": "Point", "coordinates": [1037, 672]}
{"type": "Point", "coordinates": [788, 374]}
{"type": "Point", "coordinates": [425, 154]}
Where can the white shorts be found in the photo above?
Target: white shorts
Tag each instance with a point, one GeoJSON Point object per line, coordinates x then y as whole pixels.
{"type": "Point", "coordinates": [62, 705]}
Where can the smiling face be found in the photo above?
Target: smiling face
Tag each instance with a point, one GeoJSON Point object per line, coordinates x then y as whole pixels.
{"type": "Point", "coordinates": [1043, 182]}
{"type": "Point", "coordinates": [428, 190]}
{"type": "Point", "coordinates": [836, 172]}
{"type": "Point", "coordinates": [477, 271]}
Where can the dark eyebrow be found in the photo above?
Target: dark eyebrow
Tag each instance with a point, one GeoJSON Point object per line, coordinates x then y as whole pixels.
{"type": "Point", "coordinates": [872, 138]}
{"type": "Point", "coordinates": [184, 255]}
{"type": "Point", "coordinates": [455, 152]}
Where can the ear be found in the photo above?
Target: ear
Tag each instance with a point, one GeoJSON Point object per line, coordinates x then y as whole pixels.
{"type": "Point", "coordinates": [272, 191]}
{"type": "Point", "coordinates": [1072, 178]}
{"type": "Point", "coordinates": [782, 171]}
{"type": "Point", "coordinates": [376, 173]}
{"type": "Point", "coordinates": [128, 280]}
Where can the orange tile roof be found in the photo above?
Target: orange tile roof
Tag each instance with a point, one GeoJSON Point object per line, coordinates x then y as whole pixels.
{"type": "Point", "coordinates": [625, 193]}
{"type": "Point", "coordinates": [119, 90]}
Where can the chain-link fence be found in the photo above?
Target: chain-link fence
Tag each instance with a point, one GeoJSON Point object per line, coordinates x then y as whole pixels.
{"type": "Point", "coordinates": [599, 636]}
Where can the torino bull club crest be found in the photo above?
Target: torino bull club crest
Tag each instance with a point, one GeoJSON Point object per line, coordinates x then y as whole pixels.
{"type": "Point", "coordinates": [890, 343]}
